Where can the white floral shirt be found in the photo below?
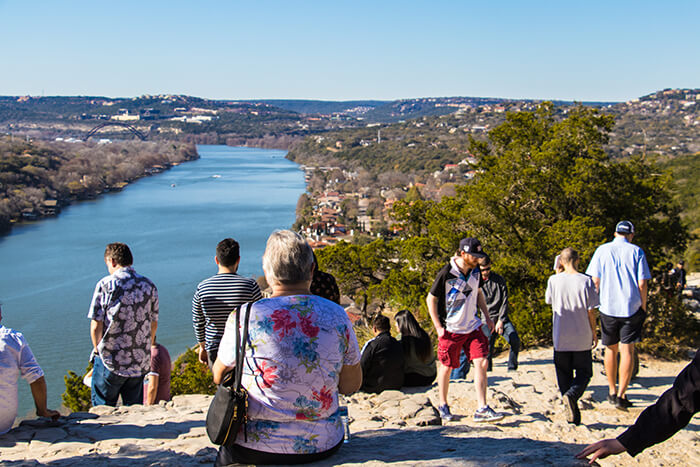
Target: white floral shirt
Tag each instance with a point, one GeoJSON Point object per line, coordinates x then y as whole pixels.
{"type": "Point", "coordinates": [297, 347]}
{"type": "Point", "coordinates": [126, 302]}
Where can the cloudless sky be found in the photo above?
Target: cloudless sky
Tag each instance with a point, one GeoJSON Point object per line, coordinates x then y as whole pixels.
{"type": "Point", "coordinates": [340, 50]}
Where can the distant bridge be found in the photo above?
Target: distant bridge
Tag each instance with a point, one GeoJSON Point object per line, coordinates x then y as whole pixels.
{"type": "Point", "coordinates": [123, 125]}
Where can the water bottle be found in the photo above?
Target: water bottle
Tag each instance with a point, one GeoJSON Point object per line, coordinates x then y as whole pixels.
{"type": "Point", "coordinates": [343, 412]}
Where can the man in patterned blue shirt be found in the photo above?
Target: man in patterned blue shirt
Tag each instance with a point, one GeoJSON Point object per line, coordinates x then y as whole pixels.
{"type": "Point", "coordinates": [124, 319]}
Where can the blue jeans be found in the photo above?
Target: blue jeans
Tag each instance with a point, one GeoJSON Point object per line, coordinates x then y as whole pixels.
{"type": "Point", "coordinates": [107, 386]}
{"type": "Point", "coordinates": [510, 335]}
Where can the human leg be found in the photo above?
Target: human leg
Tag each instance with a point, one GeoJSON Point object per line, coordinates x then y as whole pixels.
{"type": "Point", "coordinates": [463, 370]}
{"type": "Point", "coordinates": [105, 385]}
{"type": "Point", "coordinates": [492, 345]}
{"type": "Point", "coordinates": [611, 369]}
{"type": "Point", "coordinates": [449, 347]}
{"type": "Point", "coordinates": [480, 380]}
{"type": "Point", "coordinates": [582, 364]}
{"type": "Point", "coordinates": [626, 367]}
{"type": "Point", "coordinates": [563, 370]}
{"type": "Point", "coordinates": [132, 391]}
{"type": "Point", "coordinates": [511, 335]}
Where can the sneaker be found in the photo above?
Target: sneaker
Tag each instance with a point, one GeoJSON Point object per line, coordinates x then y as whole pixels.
{"type": "Point", "coordinates": [486, 414]}
{"type": "Point", "coordinates": [612, 398]}
{"type": "Point", "coordinates": [622, 403]}
{"type": "Point", "coordinates": [573, 414]}
{"type": "Point", "coordinates": [445, 414]}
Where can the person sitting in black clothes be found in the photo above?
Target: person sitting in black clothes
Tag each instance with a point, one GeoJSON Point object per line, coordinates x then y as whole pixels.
{"type": "Point", "coordinates": [418, 355]}
{"type": "Point", "coordinates": [382, 359]}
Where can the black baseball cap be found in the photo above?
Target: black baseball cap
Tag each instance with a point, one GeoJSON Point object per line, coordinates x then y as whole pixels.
{"type": "Point", "coordinates": [472, 246]}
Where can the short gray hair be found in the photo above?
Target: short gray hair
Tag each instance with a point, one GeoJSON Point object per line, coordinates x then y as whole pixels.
{"type": "Point", "coordinates": [288, 259]}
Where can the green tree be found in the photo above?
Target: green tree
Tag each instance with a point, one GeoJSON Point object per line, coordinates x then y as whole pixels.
{"type": "Point", "coordinates": [76, 396]}
{"type": "Point", "coordinates": [190, 376]}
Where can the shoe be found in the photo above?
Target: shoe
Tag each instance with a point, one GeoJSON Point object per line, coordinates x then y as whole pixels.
{"type": "Point", "coordinates": [486, 414]}
{"type": "Point", "coordinates": [622, 403]}
{"type": "Point", "coordinates": [445, 414]}
{"type": "Point", "coordinates": [612, 398]}
{"type": "Point", "coordinates": [573, 414]}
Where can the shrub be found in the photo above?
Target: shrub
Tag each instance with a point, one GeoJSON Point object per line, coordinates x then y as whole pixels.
{"type": "Point", "coordinates": [77, 395]}
{"type": "Point", "coordinates": [190, 376]}
{"type": "Point", "coordinates": [670, 329]}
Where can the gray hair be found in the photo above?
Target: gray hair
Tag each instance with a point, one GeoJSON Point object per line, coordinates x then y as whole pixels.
{"type": "Point", "coordinates": [288, 259]}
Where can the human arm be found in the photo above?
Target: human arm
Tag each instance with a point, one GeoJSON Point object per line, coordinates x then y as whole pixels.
{"type": "Point", "coordinates": [601, 449]}
{"type": "Point", "coordinates": [671, 412]}
{"type": "Point", "coordinates": [154, 328]}
{"type": "Point", "coordinates": [643, 286]}
{"type": "Point", "coordinates": [503, 310]}
{"type": "Point", "coordinates": [481, 303]}
{"type": "Point", "coordinates": [38, 388]}
{"type": "Point", "coordinates": [596, 282]}
{"type": "Point", "coordinates": [432, 302]}
{"type": "Point", "coordinates": [152, 390]}
{"type": "Point", "coordinates": [198, 323]}
{"type": "Point", "coordinates": [203, 354]}
{"type": "Point", "coordinates": [96, 329]}
{"type": "Point", "coordinates": [592, 318]}
{"type": "Point", "coordinates": [350, 379]}
{"type": "Point", "coordinates": [219, 369]}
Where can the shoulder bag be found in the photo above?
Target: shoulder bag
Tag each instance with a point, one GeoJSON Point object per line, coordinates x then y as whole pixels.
{"type": "Point", "coordinates": [228, 410]}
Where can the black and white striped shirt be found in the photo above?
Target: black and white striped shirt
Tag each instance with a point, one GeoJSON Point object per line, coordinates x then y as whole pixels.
{"type": "Point", "coordinates": [214, 300]}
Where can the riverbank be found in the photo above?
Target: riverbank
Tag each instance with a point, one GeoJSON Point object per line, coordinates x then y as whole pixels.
{"type": "Point", "coordinates": [384, 428]}
{"type": "Point", "coordinates": [39, 178]}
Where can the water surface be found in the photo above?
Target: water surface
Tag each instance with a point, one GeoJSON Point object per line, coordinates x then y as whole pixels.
{"type": "Point", "coordinates": [171, 221]}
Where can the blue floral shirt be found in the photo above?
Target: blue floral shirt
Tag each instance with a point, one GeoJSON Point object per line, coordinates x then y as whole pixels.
{"type": "Point", "coordinates": [297, 347]}
{"type": "Point", "coordinates": [127, 303]}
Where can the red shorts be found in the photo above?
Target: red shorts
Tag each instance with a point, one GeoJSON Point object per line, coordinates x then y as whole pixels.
{"type": "Point", "coordinates": [475, 345]}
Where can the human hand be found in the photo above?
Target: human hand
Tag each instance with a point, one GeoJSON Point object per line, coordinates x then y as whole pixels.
{"type": "Point", "coordinates": [489, 323]}
{"type": "Point", "coordinates": [601, 449]}
{"type": "Point", "coordinates": [594, 342]}
{"type": "Point", "coordinates": [203, 355]}
{"type": "Point", "coordinates": [440, 331]}
{"type": "Point", "coordinates": [53, 414]}
{"type": "Point", "coordinates": [499, 327]}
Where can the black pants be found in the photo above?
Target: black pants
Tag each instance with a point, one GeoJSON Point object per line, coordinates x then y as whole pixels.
{"type": "Point", "coordinates": [574, 371]}
{"type": "Point", "coordinates": [240, 455]}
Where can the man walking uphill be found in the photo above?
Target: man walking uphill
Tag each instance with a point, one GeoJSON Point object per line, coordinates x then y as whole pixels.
{"type": "Point", "coordinates": [124, 319]}
{"type": "Point", "coordinates": [620, 272]}
{"type": "Point", "coordinates": [452, 304]}
{"type": "Point", "coordinates": [217, 297]}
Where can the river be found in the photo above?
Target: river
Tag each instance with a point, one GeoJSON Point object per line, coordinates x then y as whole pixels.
{"type": "Point", "coordinates": [171, 221]}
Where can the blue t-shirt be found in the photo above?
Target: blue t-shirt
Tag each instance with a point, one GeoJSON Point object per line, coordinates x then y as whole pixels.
{"type": "Point", "coordinates": [620, 266]}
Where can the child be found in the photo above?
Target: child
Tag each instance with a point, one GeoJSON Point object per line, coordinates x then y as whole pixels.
{"type": "Point", "coordinates": [573, 298]}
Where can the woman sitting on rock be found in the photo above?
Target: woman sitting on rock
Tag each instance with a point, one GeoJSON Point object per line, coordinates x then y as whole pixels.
{"type": "Point", "coordinates": [302, 351]}
{"type": "Point", "coordinates": [418, 355]}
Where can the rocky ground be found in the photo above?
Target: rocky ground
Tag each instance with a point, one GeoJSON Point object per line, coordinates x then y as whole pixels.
{"type": "Point", "coordinates": [393, 428]}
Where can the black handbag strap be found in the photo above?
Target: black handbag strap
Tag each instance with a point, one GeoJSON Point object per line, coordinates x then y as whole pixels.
{"type": "Point", "coordinates": [240, 346]}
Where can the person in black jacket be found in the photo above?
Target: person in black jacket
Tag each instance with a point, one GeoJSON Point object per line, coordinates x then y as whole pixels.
{"type": "Point", "coordinates": [382, 359]}
{"type": "Point", "coordinates": [671, 412]}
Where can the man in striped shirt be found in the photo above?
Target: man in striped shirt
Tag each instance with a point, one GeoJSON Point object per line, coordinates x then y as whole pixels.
{"type": "Point", "coordinates": [218, 296]}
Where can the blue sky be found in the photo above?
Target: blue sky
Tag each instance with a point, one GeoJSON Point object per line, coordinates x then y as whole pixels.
{"type": "Point", "coordinates": [340, 50]}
